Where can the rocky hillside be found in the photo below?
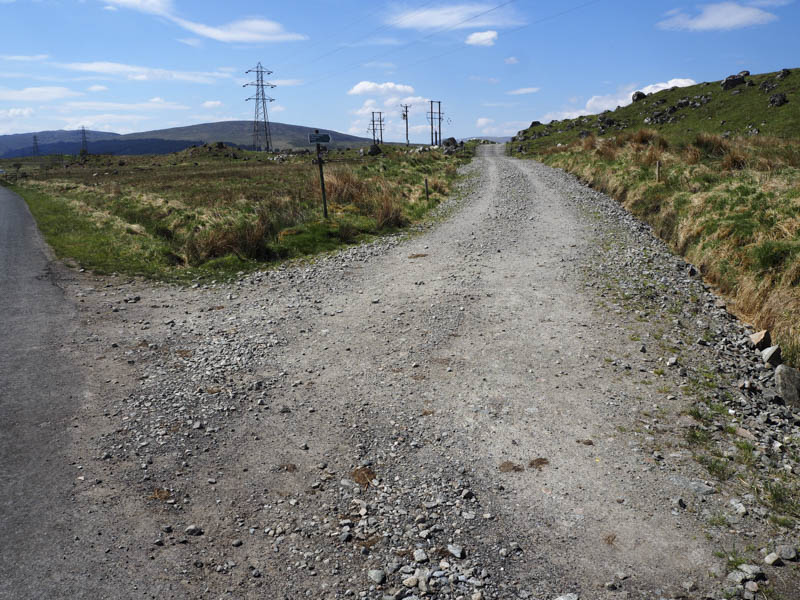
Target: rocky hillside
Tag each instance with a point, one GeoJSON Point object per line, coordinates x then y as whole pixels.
{"type": "Point", "coordinates": [741, 104]}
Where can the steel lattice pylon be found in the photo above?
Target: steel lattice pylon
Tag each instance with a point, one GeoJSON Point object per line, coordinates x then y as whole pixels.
{"type": "Point", "coordinates": [262, 138]}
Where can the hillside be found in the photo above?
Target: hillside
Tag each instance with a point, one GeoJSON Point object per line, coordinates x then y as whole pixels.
{"type": "Point", "coordinates": [680, 113]}
{"type": "Point", "coordinates": [715, 170]}
{"type": "Point", "coordinates": [21, 144]}
{"type": "Point", "coordinates": [164, 141]}
{"type": "Point", "coordinates": [240, 133]}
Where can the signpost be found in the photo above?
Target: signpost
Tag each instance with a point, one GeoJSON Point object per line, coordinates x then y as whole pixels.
{"type": "Point", "coordinates": [321, 138]}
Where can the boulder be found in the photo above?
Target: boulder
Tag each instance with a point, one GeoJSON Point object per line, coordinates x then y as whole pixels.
{"type": "Point", "coordinates": [788, 381]}
{"type": "Point", "coordinates": [535, 123]}
{"type": "Point", "coordinates": [732, 81]}
{"type": "Point", "coordinates": [761, 340]}
{"type": "Point", "coordinates": [783, 74]}
{"type": "Point", "coordinates": [450, 142]}
{"type": "Point", "coordinates": [744, 73]}
{"type": "Point", "coordinates": [638, 96]}
{"type": "Point", "coordinates": [772, 356]}
{"type": "Point", "coordinates": [777, 100]}
{"type": "Point", "coordinates": [374, 150]}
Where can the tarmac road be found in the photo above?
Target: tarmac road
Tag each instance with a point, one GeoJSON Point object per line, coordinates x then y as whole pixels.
{"type": "Point", "coordinates": [40, 390]}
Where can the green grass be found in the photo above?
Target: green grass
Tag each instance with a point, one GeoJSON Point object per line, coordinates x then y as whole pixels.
{"type": "Point", "coordinates": [200, 212]}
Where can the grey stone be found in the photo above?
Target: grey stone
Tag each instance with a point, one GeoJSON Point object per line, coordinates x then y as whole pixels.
{"type": "Point", "coordinates": [778, 100]}
{"type": "Point", "coordinates": [455, 550]}
{"type": "Point", "coordinates": [786, 552]}
{"type": "Point", "coordinates": [700, 488]}
{"type": "Point", "coordinates": [193, 530]}
{"type": "Point", "coordinates": [732, 81]}
{"type": "Point", "coordinates": [638, 96]}
{"type": "Point", "coordinates": [761, 340]}
{"type": "Point", "coordinates": [772, 356]}
{"type": "Point", "coordinates": [788, 382]}
{"type": "Point", "coordinates": [568, 597]}
{"type": "Point", "coordinates": [773, 559]}
{"type": "Point", "coordinates": [376, 576]}
{"type": "Point", "coordinates": [420, 556]}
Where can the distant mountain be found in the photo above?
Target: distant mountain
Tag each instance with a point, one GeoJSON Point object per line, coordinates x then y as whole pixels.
{"type": "Point", "coordinates": [240, 133]}
{"type": "Point", "coordinates": [164, 141]}
{"type": "Point", "coordinates": [23, 142]}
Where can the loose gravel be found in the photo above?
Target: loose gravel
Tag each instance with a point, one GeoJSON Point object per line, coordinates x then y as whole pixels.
{"type": "Point", "coordinates": [496, 406]}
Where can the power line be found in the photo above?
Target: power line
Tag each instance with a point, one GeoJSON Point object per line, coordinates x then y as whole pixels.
{"type": "Point", "coordinates": [414, 42]}
{"type": "Point", "coordinates": [510, 31]}
{"type": "Point", "coordinates": [84, 143]}
{"type": "Point", "coordinates": [435, 119]}
{"type": "Point", "coordinates": [262, 137]}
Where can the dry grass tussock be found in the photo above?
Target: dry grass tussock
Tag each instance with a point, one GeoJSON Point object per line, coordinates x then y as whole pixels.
{"type": "Point", "coordinates": [731, 206]}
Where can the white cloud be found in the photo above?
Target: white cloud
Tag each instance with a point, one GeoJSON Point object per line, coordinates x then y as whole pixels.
{"type": "Point", "coordinates": [250, 30]}
{"type": "Point", "coordinates": [379, 65]}
{"type": "Point", "coordinates": [24, 58]}
{"type": "Point", "coordinates": [370, 87]}
{"type": "Point", "coordinates": [16, 113]}
{"type": "Point", "coordinates": [487, 127]}
{"type": "Point", "coordinates": [287, 82]}
{"type": "Point", "coordinates": [366, 108]}
{"type": "Point", "coordinates": [152, 104]}
{"type": "Point", "coordinates": [104, 122]}
{"type": "Point", "coordinates": [482, 38]}
{"type": "Point", "coordinates": [277, 108]}
{"type": "Point", "coordinates": [458, 16]}
{"type": "Point", "coordinates": [511, 60]}
{"type": "Point", "coordinates": [193, 42]}
{"type": "Point", "coordinates": [722, 16]}
{"type": "Point", "coordinates": [97, 88]}
{"type": "Point", "coordinates": [37, 94]}
{"type": "Point", "coordinates": [597, 104]}
{"type": "Point", "coordinates": [523, 91]}
{"type": "Point", "coordinates": [153, 7]}
{"type": "Point", "coordinates": [138, 73]}
{"type": "Point", "coordinates": [212, 104]}
{"type": "Point", "coordinates": [242, 31]}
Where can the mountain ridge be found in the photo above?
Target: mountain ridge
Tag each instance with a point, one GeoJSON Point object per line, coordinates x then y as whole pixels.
{"type": "Point", "coordinates": [163, 141]}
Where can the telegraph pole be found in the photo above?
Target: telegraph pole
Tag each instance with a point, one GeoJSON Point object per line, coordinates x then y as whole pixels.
{"type": "Point", "coordinates": [380, 126]}
{"type": "Point", "coordinates": [431, 120]}
{"type": "Point", "coordinates": [439, 118]}
{"type": "Point", "coordinates": [262, 137]}
{"type": "Point", "coordinates": [84, 144]}
{"type": "Point", "coordinates": [35, 146]}
{"type": "Point", "coordinates": [373, 129]}
{"type": "Point", "coordinates": [405, 108]}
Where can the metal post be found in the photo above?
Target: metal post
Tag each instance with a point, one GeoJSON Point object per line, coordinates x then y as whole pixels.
{"type": "Point", "coordinates": [322, 180]}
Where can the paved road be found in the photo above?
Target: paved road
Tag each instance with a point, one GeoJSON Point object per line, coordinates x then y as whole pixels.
{"type": "Point", "coordinates": [39, 392]}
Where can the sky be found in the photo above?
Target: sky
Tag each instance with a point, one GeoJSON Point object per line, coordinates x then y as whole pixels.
{"type": "Point", "coordinates": [495, 65]}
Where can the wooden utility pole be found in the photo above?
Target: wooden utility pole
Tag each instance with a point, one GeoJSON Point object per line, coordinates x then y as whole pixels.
{"type": "Point", "coordinates": [405, 108]}
{"type": "Point", "coordinates": [430, 118]}
{"type": "Point", "coordinates": [317, 137]}
{"type": "Point", "coordinates": [439, 118]}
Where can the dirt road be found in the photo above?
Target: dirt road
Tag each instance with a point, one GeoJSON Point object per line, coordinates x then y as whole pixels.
{"type": "Point", "coordinates": [472, 412]}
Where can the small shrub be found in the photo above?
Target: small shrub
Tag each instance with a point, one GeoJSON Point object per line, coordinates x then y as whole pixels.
{"type": "Point", "coordinates": [644, 136]}
{"type": "Point", "coordinates": [607, 151]}
{"type": "Point", "coordinates": [692, 155]}
{"type": "Point", "coordinates": [711, 144]}
{"type": "Point", "coordinates": [388, 213]}
{"type": "Point", "coordinates": [589, 142]}
{"type": "Point", "coordinates": [734, 160]}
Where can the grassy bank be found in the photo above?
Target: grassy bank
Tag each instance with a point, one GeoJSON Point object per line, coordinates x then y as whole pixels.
{"type": "Point", "coordinates": [730, 206]}
{"type": "Point", "coordinates": [211, 211]}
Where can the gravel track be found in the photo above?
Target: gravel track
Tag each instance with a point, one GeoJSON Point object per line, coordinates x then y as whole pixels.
{"type": "Point", "coordinates": [468, 412]}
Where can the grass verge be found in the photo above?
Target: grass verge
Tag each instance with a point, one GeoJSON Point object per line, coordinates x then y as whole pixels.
{"type": "Point", "coordinates": [213, 211]}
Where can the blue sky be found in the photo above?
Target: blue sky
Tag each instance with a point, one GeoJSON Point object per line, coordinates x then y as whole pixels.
{"type": "Point", "coordinates": [137, 65]}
